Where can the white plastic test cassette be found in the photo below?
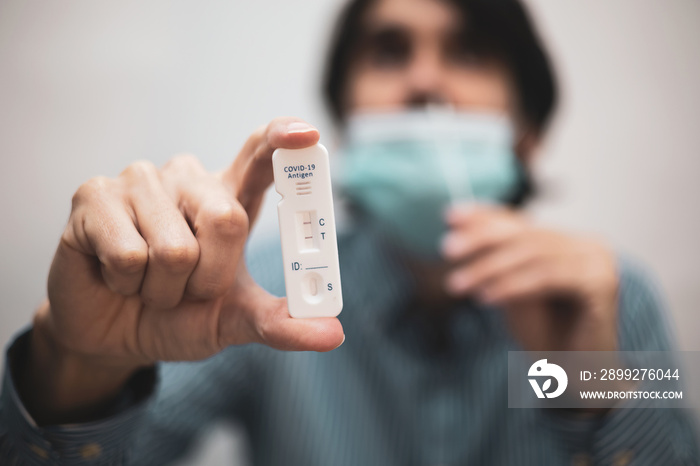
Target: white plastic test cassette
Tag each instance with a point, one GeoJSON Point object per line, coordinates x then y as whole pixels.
{"type": "Point", "coordinates": [307, 231]}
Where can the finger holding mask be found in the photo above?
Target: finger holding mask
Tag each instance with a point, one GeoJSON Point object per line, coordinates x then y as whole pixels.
{"type": "Point", "coordinates": [440, 186]}
{"type": "Point", "coordinates": [404, 169]}
{"type": "Point", "coordinates": [434, 134]}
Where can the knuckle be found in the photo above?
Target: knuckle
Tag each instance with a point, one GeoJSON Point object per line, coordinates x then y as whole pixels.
{"type": "Point", "coordinates": [262, 328]}
{"type": "Point", "coordinates": [261, 138]}
{"type": "Point", "coordinates": [178, 255]}
{"type": "Point", "coordinates": [127, 261]}
{"type": "Point", "coordinates": [227, 219]}
{"type": "Point", "coordinates": [265, 329]}
{"type": "Point", "coordinates": [90, 189]}
{"type": "Point", "coordinates": [140, 169]}
{"type": "Point", "coordinates": [183, 162]}
{"type": "Point", "coordinates": [261, 130]}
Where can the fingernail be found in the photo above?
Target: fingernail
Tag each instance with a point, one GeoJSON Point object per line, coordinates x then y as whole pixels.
{"type": "Point", "coordinates": [341, 343]}
{"type": "Point", "coordinates": [299, 127]}
{"type": "Point", "coordinates": [450, 245]}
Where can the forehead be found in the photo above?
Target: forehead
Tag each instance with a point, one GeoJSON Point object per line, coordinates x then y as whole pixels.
{"type": "Point", "coordinates": [419, 16]}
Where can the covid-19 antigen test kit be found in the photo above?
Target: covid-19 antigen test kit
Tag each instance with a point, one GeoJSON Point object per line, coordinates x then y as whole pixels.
{"type": "Point", "coordinates": [307, 231]}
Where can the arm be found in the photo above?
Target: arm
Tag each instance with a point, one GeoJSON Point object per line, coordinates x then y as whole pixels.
{"type": "Point", "coordinates": [640, 433]}
{"type": "Point", "coordinates": [157, 416]}
{"type": "Point", "coordinates": [150, 269]}
{"type": "Point", "coordinates": [564, 292]}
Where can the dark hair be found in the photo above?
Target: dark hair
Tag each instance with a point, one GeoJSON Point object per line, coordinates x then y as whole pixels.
{"type": "Point", "coordinates": [499, 28]}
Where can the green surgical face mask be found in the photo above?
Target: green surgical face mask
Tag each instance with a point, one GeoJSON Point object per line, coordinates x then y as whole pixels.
{"type": "Point", "coordinates": [402, 170]}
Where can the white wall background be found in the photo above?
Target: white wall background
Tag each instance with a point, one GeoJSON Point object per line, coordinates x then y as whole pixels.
{"type": "Point", "coordinates": [87, 87]}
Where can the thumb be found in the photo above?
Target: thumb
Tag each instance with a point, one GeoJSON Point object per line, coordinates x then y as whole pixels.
{"type": "Point", "coordinates": [250, 174]}
{"type": "Point", "coordinates": [266, 320]}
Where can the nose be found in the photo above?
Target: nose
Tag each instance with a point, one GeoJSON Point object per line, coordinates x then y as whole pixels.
{"type": "Point", "coordinates": [426, 78]}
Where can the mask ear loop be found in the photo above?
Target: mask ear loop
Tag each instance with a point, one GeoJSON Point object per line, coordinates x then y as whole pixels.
{"type": "Point", "coordinates": [459, 193]}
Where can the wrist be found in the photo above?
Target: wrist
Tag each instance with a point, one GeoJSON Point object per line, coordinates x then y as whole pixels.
{"type": "Point", "coordinates": [59, 385]}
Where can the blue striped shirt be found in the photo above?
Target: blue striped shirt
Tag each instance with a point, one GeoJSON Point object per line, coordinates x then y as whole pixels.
{"type": "Point", "coordinates": [399, 391]}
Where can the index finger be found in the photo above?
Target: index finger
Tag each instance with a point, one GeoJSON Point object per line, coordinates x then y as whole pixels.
{"type": "Point", "coordinates": [251, 172]}
{"type": "Point", "coordinates": [465, 214]}
{"type": "Point", "coordinates": [478, 229]}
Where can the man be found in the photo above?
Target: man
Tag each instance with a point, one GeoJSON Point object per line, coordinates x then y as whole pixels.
{"type": "Point", "coordinates": [150, 268]}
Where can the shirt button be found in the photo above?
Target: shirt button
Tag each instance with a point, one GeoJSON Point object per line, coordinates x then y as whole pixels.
{"type": "Point", "coordinates": [623, 458]}
{"type": "Point", "coordinates": [38, 451]}
{"type": "Point", "coordinates": [581, 459]}
{"type": "Point", "coordinates": [90, 451]}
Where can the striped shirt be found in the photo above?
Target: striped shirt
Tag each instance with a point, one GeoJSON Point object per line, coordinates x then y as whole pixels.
{"type": "Point", "coordinates": [400, 391]}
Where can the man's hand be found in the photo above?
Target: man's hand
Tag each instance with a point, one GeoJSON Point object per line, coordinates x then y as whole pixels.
{"type": "Point", "coordinates": [559, 291]}
{"type": "Point", "coordinates": [150, 268]}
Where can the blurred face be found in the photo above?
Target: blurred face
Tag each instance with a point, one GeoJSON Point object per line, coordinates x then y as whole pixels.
{"type": "Point", "coordinates": [414, 52]}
